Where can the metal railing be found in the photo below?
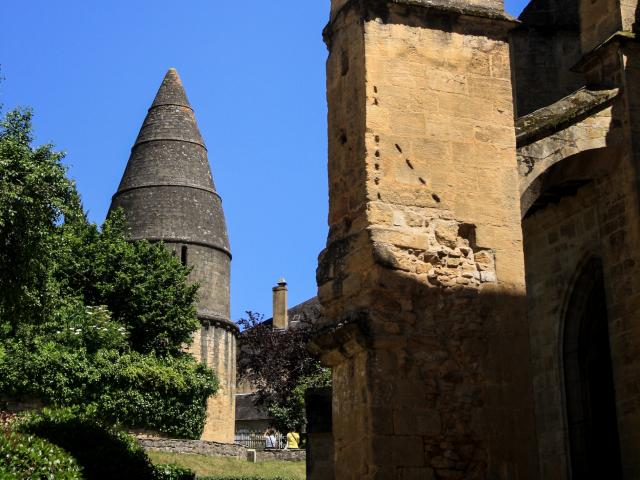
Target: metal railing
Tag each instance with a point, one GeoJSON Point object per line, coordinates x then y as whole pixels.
{"type": "Point", "coordinates": [257, 441]}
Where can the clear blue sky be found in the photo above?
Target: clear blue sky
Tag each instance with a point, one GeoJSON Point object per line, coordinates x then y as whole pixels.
{"type": "Point", "coordinates": [254, 72]}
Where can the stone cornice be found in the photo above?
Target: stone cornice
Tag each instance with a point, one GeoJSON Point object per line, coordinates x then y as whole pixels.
{"type": "Point", "coordinates": [450, 7]}
{"type": "Point", "coordinates": [180, 185]}
{"type": "Point", "coordinates": [168, 139]}
{"type": "Point", "coordinates": [183, 241]}
{"type": "Point", "coordinates": [219, 322]}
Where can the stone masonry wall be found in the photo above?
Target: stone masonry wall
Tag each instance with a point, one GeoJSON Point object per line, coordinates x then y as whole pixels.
{"type": "Point", "coordinates": [281, 455]}
{"type": "Point", "coordinates": [196, 447]}
{"type": "Point", "coordinates": [422, 280]}
{"type": "Point", "coordinates": [601, 220]}
{"type": "Point", "coordinates": [211, 270]}
{"type": "Point", "coordinates": [216, 347]}
{"type": "Point", "coordinates": [557, 242]}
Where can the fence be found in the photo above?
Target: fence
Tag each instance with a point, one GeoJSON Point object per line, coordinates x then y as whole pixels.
{"type": "Point", "coordinates": [256, 440]}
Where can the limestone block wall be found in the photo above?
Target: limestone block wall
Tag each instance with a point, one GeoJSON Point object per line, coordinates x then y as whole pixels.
{"type": "Point", "coordinates": [557, 241]}
{"type": "Point", "coordinates": [422, 281]}
{"type": "Point", "coordinates": [215, 346]}
{"type": "Point", "coordinates": [602, 220]}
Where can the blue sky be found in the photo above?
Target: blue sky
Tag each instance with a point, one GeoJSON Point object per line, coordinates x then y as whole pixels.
{"type": "Point", "coordinates": [254, 73]}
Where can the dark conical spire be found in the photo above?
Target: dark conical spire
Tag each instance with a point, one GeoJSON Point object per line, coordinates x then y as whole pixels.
{"type": "Point", "coordinates": [167, 190]}
{"type": "Point", "coordinates": [171, 91]}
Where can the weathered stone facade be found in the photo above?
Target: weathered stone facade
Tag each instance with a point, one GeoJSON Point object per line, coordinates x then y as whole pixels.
{"type": "Point", "coordinates": [466, 149]}
{"type": "Point", "coordinates": [167, 193]}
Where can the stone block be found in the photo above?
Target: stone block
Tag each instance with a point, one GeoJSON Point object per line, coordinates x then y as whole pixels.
{"type": "Point", "coordinates": [252, 456]}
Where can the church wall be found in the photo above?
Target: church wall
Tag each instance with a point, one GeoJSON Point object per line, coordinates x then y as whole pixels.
{"type": "Point", "coordinates": [557, 241]}
{"type": "Point", "coordinates": [600, 220]}
{"type": "Point", "coordinates": [541, 60]}
{"type": "Point", "coordinates": [424, 270]}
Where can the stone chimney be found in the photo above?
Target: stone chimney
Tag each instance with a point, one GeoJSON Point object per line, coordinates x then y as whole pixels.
{"type": "Point", "coordinates": [280, 315]}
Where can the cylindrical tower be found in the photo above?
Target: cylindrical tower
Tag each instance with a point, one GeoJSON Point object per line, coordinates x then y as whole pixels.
{"type": "Point", "coordinates": [168, 194]}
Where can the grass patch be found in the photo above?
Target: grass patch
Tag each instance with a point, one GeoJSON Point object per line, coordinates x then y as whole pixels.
{"type": "Point", "coordinates": [232, 467]}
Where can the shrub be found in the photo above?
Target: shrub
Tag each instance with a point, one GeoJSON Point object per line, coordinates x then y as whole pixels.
{"type": "Point", "coordinates": [102, 452]}
{"type": "Point", "coordinates": [173, 472]}
{"type": "Point", "coordinates": [140, 391]}
{"type": "Point", "coordinates": [29, 457]}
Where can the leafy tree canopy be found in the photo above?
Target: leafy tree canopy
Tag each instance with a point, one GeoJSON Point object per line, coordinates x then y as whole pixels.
{"type": "Point", "coordinates": [88, 318]}
{"type": "Point", "coordinates": [278, 365]}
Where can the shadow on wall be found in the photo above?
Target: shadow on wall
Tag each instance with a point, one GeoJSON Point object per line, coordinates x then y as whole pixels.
{"type": "Point", "coordinates": [444, 368]}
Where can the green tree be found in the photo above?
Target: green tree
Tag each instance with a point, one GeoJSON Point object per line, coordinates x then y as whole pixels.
{"type": "Point", "coordinates": [280, 368]}
{"type": "Point", "coordinates": [35, 196]}
{"type": "Point", "coordinates": [89, 319]}
{"type": "Point", "coordinates": [144, 287]}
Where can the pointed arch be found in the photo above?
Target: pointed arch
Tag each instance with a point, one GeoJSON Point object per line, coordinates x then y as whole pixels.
{"type": "Point", "coordinates": [592, 426]}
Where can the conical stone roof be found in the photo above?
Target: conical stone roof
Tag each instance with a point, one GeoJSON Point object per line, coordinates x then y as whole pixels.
{"type": "Point", "coordinates": [167, 190]}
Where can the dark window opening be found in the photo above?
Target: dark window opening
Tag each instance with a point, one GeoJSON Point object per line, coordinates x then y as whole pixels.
{"type": "Point", "coordinates": [590, 392]}
{"type": "Point", "coordinates": [183, 255]}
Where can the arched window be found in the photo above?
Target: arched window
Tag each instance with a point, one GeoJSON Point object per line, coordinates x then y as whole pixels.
{"type": "Point", "coordinates": [589, 386]}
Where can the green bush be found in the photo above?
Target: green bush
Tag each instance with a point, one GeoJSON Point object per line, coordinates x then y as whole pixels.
{"type": "Point", "coordinates": [140, 391]}
{"type": "Point", "coordinates": [102, 452]}
{"type": "Point", "coordinates": [29, 457]}
{"type": "Point", "coordinates": [173, 472]}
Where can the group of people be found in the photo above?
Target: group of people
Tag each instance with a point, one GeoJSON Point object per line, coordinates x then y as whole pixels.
{"type": "Point", "coordinates": [271, 441]}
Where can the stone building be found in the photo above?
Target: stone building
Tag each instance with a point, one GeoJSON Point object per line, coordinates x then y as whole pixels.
{"type": "Point", "coordinates": [480, 281]}
{"type": "Point", "coordinates": [167, 193]}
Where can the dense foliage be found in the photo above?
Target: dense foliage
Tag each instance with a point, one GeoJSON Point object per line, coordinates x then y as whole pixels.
{"type": "Point", "coordinates": [280, 368]}
{"type": "Point", "coordinates": [34, 195]}
{"type": "Point", "coordinates": [25, 457]}
{"type": "Point", "coordinates": [102, 451]}
{"type": "Point", "coordinates": [128, 388]}
{"type": "Point", "coordinates": [141, 283]}
{"type": "Point", "coordinates": [87, 318]}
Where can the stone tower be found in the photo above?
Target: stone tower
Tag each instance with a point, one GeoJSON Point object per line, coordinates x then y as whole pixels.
{"type": "Point", "coordinates": [167, 193]}
{"type": "Point", "coordinates": [422, 281]}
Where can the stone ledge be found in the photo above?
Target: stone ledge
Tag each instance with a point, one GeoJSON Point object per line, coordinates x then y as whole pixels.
{"type": "Point", "coordinates": [215, 449]}
{"type": "Point", "coordinates": [561, 114]}
{"type": "Point", "coordinates": [282, 455]}
{"type": "Point", "coordinates": [196, 447]}
{"type": "Point", "coordinates": [619, 37]}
